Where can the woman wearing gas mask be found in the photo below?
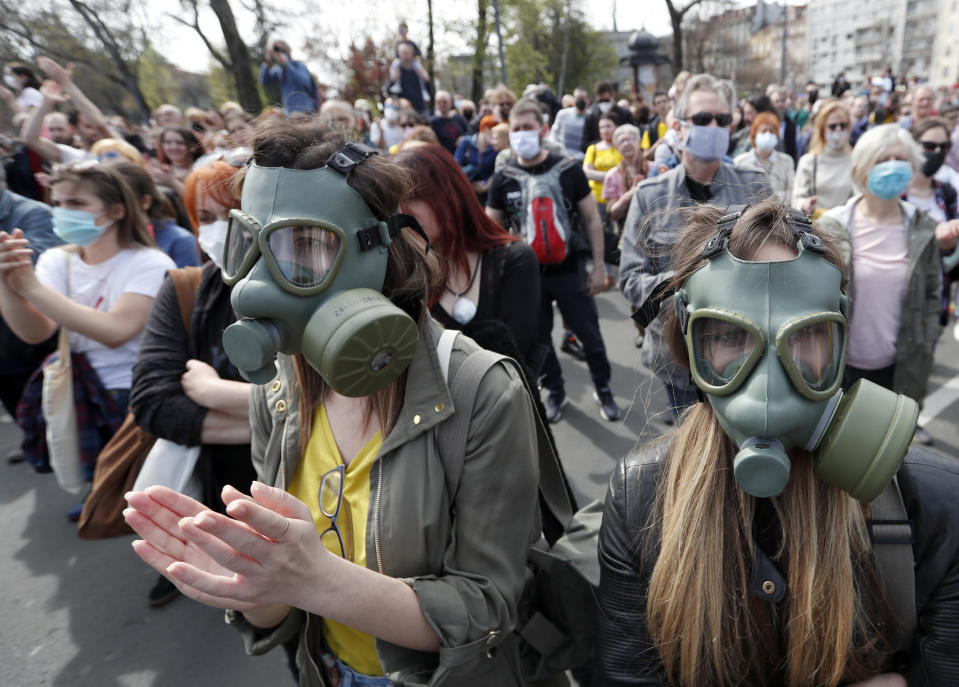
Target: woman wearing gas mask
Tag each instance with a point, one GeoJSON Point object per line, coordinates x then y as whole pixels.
{"type": "Point", "coordinates": [184, 387]}
{"type": "Point", "coordinates": [823, 174]}
{"type": "Point", "coordinates": [389, 568]}
{"type": "Point", "coordinates": [896, 282]}
{"type": "Point", "coordinates": [739, 550]}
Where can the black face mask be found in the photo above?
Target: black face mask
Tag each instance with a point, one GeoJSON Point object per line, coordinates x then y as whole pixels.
{"type": "Point", "coordinates": [581, 104]}
{"type": "Point", "coordinates": [933, 162]}
{"type": "Point", "coordinates": [468, 115]}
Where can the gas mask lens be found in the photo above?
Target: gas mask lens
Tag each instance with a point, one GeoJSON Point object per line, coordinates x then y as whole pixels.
{"type": "Point", "coordinates": [813, 351]}
{"type": "Point", "coordinates": [305, 255]}
{"type": "Point", "coordinates": [724, 349]}
{"type": "Point", "coordinates": [241, 237]}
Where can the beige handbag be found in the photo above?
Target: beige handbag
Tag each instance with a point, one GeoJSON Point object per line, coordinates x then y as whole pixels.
{"type": "Point", "coordinates": [60, 415]}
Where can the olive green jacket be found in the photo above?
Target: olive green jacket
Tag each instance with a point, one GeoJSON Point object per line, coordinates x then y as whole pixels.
{"type": "Point", "coordinates": [919, 324]}
{"type": "Point", "coordinates": [462, 550]}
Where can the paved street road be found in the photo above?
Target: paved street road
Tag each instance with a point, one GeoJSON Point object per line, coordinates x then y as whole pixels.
{"type": "Point", "coordinates": [75, 613]}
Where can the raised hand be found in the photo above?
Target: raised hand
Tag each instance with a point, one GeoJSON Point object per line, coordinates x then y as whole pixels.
{"type": "Point", "coordinates": [53, 93]}
{"type": "Point", "coordinates": [59, 74]}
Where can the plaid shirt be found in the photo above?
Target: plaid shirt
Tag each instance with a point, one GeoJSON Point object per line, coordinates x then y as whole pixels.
{"type": "Point", "coordinates": [98, 415]}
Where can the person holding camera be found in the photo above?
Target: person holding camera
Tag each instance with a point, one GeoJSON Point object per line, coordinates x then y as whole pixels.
{"type": "Point", "coordinates": [297, 87]}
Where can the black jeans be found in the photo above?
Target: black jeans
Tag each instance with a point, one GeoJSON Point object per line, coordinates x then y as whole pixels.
{"type": "Point", "coordinates": [578, 309]}
{"type": "Point", "coordinates": [883, 376]}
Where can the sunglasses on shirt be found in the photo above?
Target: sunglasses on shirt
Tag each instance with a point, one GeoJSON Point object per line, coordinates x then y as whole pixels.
{"type": "Point", "coordinates": [838, 126]}
{"type": "Point", "coordinates": [704, 118]}
{"type": "Point", "coordinates": [933, 147]}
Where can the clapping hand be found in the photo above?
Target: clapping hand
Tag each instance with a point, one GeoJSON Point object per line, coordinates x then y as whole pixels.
{"type": "Point", "coordinates": [266, 550]}
{"type": "Point", "coordinates": [16, 265]}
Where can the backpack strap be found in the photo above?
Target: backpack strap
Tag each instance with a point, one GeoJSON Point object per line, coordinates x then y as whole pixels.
{"type": "Point", "coordinates": [452, 434]}
{"type": "Point", "coordinates": [186, 280]}
{"type": "Point", "coordinates": [892, 536]}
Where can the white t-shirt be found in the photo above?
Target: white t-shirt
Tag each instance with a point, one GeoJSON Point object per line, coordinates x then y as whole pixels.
{"type": "Point", "coordinates": [70, 154]}
{"type": "Point", "coordinates": [132, 270]}
{"type": "Point", "coordinates": [392, 133]}
{"type": "Point", "coordinates": [948, 175]}
{"type": "Point", "coordinates": [29, 98]}
{"type": "Point", "coordinates": [928, 205]}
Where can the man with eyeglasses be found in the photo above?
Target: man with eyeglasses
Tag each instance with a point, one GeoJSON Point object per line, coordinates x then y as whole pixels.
{"type": "Point", "coordinates": [702, 122]}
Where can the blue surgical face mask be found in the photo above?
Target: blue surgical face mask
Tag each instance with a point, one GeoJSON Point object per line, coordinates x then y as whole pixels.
{"type": "Point", "coordinates": [78, 227]}
{"type": "Point", "coordinates": [707, 143]}
{"type": "Point", "coordinates": [889, 179]}
{"type": "Point", "coordinates": [766, 140]}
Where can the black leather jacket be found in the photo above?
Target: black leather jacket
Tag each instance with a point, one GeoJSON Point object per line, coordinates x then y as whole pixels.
{"type": "Point", "coordinates": [625, 655]}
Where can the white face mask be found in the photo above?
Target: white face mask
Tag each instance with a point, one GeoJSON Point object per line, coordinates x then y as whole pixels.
{"type": "Point", "coordinates": [837, 139]}
{"type": "Point", "coordinates": [212, 239]}
{"type": "Point", "coordinates": [11, 81]}
{"type": "Point", "coordinates": [391, 114]}
{"type": "Point", "coordinates": [604, 105]}
{"type": "Point", "coordinates": [766, 140]}
{"type": "Point", "coordinates": [525, 143]}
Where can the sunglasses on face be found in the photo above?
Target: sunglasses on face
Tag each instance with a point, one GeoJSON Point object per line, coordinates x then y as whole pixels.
{"type": "Point", "coordinates": [406, 125]}
{"type": "Point", "coordinates": [838, 126]}
{"type": "Point", "coordinates": [933, 147]}
{"type": "Point", "coordinates": [704, 118]}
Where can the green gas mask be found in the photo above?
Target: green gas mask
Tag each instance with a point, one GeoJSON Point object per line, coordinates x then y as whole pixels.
{"type": "Point", "coordinates": [767, 347]}
{"type": "Point", "coordinates": [307, 259]}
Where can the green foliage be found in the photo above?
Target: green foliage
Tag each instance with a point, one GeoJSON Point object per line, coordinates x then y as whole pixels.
{"type": "Point", "coordinates": [155, 75]}
{"type": "Point", "coordinates": [222, 84]}
{"type": "Point", "coordinates": [536, 32]}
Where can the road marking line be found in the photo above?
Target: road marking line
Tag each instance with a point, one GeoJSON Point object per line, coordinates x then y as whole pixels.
{"type": "Point", "coordinates": [939, 400]}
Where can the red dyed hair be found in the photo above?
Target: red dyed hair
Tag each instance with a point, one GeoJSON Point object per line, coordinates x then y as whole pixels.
{"type": "Point", "coordinates": [440, 182]}
{"type": "Point", "coordinates": [215, 180]}
{"type": "Point", "coordinates": [763, 119]}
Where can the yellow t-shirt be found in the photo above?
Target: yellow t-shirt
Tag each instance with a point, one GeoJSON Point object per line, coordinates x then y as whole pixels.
{"type": "Point", "coordinates": [661, 130]}
{"type": "Point", "coordinates": [355, 648]}
{"type": "Point", "coordinates": [603, 161]}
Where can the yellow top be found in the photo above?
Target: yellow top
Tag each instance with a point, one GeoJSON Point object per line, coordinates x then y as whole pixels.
{"type": "Point", "coordinates": [603, 161]}
{"type": "Point", "coordinates": [661, 130]}
{"type": "Point", "coordinates": [355, 648]}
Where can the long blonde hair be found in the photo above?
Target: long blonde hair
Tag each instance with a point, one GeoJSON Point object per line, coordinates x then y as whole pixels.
{"type": "Point", "coordinates": [705, 623]}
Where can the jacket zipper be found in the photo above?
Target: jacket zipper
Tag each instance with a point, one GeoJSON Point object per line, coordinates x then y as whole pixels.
{"type": "Point", "coordinates": [376, 515]}
{"type": "Point", "coordinates": [283, 457]}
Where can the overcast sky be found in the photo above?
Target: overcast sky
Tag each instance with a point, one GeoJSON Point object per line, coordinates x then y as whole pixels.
{"type": "Point", "coordinates": [379, 18]}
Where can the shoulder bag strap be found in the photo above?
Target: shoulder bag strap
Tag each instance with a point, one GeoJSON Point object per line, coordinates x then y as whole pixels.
{"type": "Point", "coordinates": [453, 433]}
{"type": "Point", "coordinates": [186, 280]}
{"type": "Point", "coordinates": [63, 339]}
{"type": "Point", "coordinates": [892, 538]}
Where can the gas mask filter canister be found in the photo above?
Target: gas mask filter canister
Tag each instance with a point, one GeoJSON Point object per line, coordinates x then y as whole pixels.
{"type": "Point", "coordinates": [767, 346]}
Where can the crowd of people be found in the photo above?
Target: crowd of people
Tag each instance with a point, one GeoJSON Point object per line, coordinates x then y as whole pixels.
{"type": "Point", "coordinates": [789, 260]}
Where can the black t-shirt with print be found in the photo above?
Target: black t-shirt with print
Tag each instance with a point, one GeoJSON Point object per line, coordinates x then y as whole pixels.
{"type": "Point", "coordinates": [448, 130]}
{"type": "Point", "coordinates": [505, 194]}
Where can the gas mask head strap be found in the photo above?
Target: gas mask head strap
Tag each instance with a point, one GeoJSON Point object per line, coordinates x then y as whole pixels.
{"type": "Point", "coordinates": [345, 161]}
{"type": "Point", "coordinates": [719, 242]}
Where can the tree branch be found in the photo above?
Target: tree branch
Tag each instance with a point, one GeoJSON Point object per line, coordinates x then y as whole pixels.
{"type": "Point", "coordinates": [195, 25]}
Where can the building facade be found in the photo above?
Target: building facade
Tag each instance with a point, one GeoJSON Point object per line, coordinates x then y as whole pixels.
{"type": "Point", "coordinates": [945, 59]}
{"type": "Point", "coordinates": [861, 38]}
